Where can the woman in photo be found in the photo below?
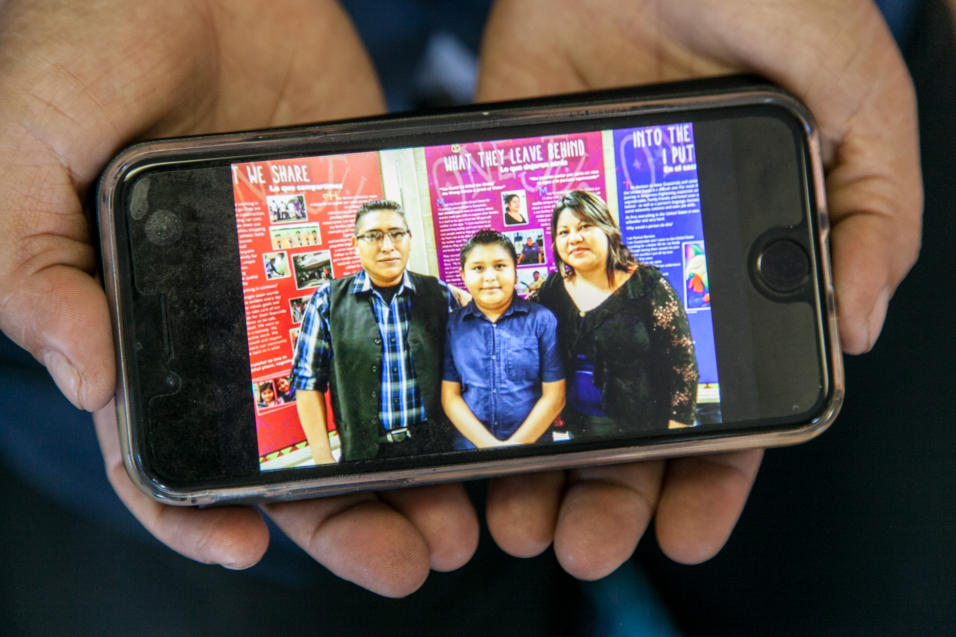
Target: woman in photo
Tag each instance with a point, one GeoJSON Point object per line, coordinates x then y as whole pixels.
{"type": "Point", "coordinates": [514, 216]}
{"type": "Point", "coordinates": [622, 329]}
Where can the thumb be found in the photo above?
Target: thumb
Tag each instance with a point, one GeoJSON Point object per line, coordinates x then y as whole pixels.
{"type": "Point", "coordinates": [875, 196]}
{"type": "Point", "coordinates": [853, 78]}
{"type": "Point", "coordinates": [50, 303]}
{"type": "Point", "coordinates": [60, 315]}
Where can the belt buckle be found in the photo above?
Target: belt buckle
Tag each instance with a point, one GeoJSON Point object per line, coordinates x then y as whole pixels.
{"type": "Point", "coordinates": [398, 435]}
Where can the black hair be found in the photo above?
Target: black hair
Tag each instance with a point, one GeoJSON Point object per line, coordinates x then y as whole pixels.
{"type": "Point", "coordinates": [590, 207]}
{"type": "Point", "coordinates": [485, 238]}
{"type": "Point", "coordinates": [380, 204]}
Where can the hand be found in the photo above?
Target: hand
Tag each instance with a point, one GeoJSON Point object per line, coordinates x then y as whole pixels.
{"type": "Point", "coordinates": [840, 59]}
{"type": "Point", "coordinates": [79, 82]}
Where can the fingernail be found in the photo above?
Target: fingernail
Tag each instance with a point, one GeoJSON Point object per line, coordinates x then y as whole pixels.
{"type": "Point", "coordinates": [234, 562]}
{"type": "Point", "coordinates": [233, 567]}
{"type": "Point", "coordinates": [65, 376]}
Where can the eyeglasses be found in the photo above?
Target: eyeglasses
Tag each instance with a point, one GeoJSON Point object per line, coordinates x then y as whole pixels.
{"type": "Point", "coordinates": [376, 237]}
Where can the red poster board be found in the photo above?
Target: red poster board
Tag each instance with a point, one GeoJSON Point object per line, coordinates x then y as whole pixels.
{"type": "Point", "coordinates": [295, 222]}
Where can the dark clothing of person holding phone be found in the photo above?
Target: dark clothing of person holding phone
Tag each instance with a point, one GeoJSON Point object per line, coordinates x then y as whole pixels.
{"type": "Point", "coordinates": [630, 360]}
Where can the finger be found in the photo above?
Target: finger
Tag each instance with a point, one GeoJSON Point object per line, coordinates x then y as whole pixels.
{"type": "Point", "coordinates": [635, 45]}
{"type": "Point", "coordinates": [700, 503]}
{"type": "Point", "coordinates": [522, 511]}
{"type": "Point", "coordinates": [359, 538]}
{"type": "Point", "coordinates": [604, 513]}
{"type": "Point", "coordinates": [326, 72]}
{"type": "Point", "coordinates": [444, 516]}
{"type": "Point", "coordinates": [234, 537]}
{"type": "Point", "coordinates": [875, 198]}
{"type": "Point", "coordinates": [49, 302]}
{"type": "Point", "coordinates": [519, 69]}
{"type": "Point", "coordinates": [60, 316]}
{"type": "Point", "coordinates": [868, 265]}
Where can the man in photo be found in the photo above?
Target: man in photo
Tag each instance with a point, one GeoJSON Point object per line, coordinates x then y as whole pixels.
{"type": "Point", "coordinates": [531, 252]}
{"type": "Point", "coordinates": [375, 341]}
{"type": "Point", "coordinates": [503, 381]}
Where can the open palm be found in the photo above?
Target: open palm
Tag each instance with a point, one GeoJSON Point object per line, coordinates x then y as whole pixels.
{"type": "Point", "coordinates": [839, 58]}
{"type": "Point", "coordinates": [78, 83]}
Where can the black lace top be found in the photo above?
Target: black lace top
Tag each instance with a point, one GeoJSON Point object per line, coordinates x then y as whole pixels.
{"type": "Point", "coordinates": [639, 343]}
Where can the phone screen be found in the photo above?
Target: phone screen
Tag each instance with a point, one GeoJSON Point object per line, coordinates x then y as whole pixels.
{"type": "Point", "coordinates": [272, 266]}
{"type": "Point", "coordinates": [296, 227]}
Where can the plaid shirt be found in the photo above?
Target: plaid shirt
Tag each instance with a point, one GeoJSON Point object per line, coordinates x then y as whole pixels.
{"type": "Point", "coordinates": [401, 401]}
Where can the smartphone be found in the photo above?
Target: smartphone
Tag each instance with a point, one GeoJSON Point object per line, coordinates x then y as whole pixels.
{"type": "Point", "coordinates": [715, 330]}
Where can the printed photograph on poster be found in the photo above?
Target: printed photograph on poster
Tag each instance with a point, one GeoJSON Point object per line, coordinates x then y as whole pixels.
{"type": "Point", "coordinates": [312, 268]}
{"type": "Point", "coordinates": [530, 279]}
{"type": "Point", "coordinates": [286, 208]}
{"type": "Point", "coordinates": [276, 265]}
{"type": "Point", "coordinates": [294, 336]}
{"type": "Point", "coordinates": [297, 308]}
{"type": "Point", "coordinates": [285, 392]}
{"type": "Point", "coordinates": [696, 285]}
{"type": "Point", "coordinates": [529, 245]}
{"type": "Point", "coordinates": [298, 236]}
{"type": "Point", "coordinates": [514, 209]}
{"type": "Point", "coordinates": [265, 395]}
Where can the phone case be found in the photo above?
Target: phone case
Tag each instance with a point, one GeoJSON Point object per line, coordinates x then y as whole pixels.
{"type": "Point", "coordinates": [392, 131]}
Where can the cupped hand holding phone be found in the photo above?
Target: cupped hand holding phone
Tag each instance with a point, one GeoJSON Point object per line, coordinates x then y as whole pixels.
{"type": "Point", "coordinates": [158, 70]}
{"type": "Point", "coordinates": [78, 84]}
{"type": "Point", "coordinates": [840, 59]}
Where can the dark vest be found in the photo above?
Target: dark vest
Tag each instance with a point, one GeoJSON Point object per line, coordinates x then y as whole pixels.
{"type": "Point", "coordinates": [357, 352]}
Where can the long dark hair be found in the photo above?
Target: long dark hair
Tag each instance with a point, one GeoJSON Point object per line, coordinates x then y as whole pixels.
{"type": "Point", "coordinates": [379, 204]}
{"type": "Point", "coordinates": [589, 207]}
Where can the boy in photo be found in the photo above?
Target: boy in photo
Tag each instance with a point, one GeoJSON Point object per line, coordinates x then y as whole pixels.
{"type": "Point", "coordinates": [503, 382]}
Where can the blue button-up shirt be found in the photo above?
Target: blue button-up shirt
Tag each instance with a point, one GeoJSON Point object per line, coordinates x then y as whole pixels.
{"type": "Point", "coordinates": [401, 401]}
{"type": "Point", "coordinates": [501, 365]}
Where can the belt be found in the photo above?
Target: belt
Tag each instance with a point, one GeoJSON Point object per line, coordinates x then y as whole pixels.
{"type": "Point", "coordinates": [396, 435]}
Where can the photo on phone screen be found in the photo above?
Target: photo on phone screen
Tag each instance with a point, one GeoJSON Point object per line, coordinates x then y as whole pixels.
{"type": "Point", "coordinates": [633, 187]}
